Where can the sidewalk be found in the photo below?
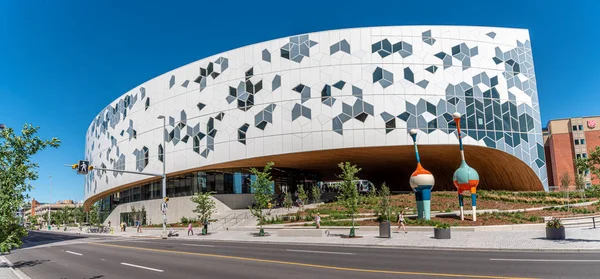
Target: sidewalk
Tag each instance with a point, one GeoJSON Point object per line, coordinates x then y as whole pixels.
{"type": "Point", "coordinates": [8, 272]}
{"type": "Point", "coordinates": [517, 237]}
{"type": "Point", "coordinates": [577, 240]}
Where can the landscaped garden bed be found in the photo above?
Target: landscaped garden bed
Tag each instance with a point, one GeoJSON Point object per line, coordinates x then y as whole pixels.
{"type": "Point", "coordinates": [332, 214]}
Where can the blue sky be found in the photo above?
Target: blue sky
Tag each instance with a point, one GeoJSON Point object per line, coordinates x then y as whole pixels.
{"type": "Point", "coordinates": [61, 62]}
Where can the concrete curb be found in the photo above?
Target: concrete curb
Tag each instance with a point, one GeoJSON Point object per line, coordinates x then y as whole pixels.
{"type": "Point", "coordinates": [432, 248]}
{"type": "Point", "coordinates": [18, 273]}
{"type": "Point", "coordinates": [496, 228]}
{"type": "Point", "coordinates": [373, 245]}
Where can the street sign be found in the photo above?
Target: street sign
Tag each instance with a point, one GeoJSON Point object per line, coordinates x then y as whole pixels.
{"type": "Point", "coordinates": [83, 166]}
{"type": "Point", "coordinates": [164, 207]}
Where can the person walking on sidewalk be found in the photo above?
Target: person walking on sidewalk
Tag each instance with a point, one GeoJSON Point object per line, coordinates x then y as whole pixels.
{"type": "Point", "coordinates": [139, 226]}
{"type": "Point", "coordinates": [190, 229]}
{"type": "Point", "coordinates": [318, 221]}
{"type": "Point", "coordinates": [401, 222]}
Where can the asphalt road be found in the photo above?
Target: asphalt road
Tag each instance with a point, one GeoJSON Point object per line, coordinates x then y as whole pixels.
{"type": "Point", "coordinates": [100, 257]}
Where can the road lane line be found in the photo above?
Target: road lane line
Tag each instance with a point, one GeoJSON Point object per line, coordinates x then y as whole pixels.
{"type": "Point", "coordinates": [74, 253]}
{"type": "Point", "coordinates": [544, 260]}
{"type": "Point", "coordinates": [309, 265]}
{"type": "Point", "coordinates": [141, 241]}
{"type": "Point", "coordinates": [198, 245]}
{"type": "Point", "coordinates": [143, 267]}
{"type": "Point", "coordinates": [320, 252]}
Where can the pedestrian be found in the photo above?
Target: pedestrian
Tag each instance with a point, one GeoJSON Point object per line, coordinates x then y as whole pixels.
{"type": "Point", "coordinates": [318, 221]}
{"type": "Point", "coordinates": [190, 229]}
{"type": "Point", "coordinates": [401, 222]}
{"type": "Point", "coordinates": [139, 226]}
{"type": "Point", "coordinates": [109, 224]}
{"type": "Point", "coordinates": [124, 226]}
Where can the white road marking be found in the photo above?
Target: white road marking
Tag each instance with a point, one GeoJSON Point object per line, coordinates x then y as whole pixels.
{"type": "Point", "coordinates": [320, 252]}
{"type": "Point", "coordinates": [143, 267]}
{"type": "Point", "coordinates": [543, 260]}
{"type": "Point", "coordinates": [199, 245]}
{"type": "Point", "coordinates": [74, 253]}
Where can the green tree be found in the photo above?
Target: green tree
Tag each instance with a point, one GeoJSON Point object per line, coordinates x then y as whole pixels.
{"type": "Point", "coordinates": [580, 184]}
{"type": "Point", "coordinates": [17, 171]}
{"type": "Point", "coordinates": [205, 208]}
{"type": "Point", "coordinates": [78, 214]}
{"type": "Point", "coordinates": [94, 218]}
{"type": "Point", "coordinates": [302, 195]}
{"type": "Point", "coordinates": [34, 220]}
{"type": "Point", "coordinates": [591, 163]}
{"type": "Point", "coordinates": [349, 193]}
{"type": "Point", "coordinates": [261, 187]}
{"type": "Point", "coordinates": [287, 201]}
{"type": "Point", "coordinates": [142, 215]}
{"type": "Point", "coordinates": [64, 216]}
{"type": "Point", "coordinates": [565, 180]}
{"type": "Point", "coordinates": [384, 207]}
{"type": "Point", "coordinates": [316, 193]}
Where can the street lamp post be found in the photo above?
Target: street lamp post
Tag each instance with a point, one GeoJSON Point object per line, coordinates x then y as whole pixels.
{"type": "Point", "coordinates": [50, 204]}
{"type": "Point", "coordinates": [164, 177]}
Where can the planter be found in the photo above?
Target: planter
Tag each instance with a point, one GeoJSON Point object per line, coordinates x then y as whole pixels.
{"type": "Point", "coordinates": [441, 233]}
{"type": "Point", "coordinates": [555, 233]}
{"type": "Point", "coordinates": [385, 229]}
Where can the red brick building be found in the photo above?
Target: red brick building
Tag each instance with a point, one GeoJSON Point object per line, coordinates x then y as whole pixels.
{"type": "Point", "coordinates": [566, 140]}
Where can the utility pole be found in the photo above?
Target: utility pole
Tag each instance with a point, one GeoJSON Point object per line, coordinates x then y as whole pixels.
{"type": "Point", "coordinates": [164, 178]}
{"type": "Point", "coordinates": [84, 167]}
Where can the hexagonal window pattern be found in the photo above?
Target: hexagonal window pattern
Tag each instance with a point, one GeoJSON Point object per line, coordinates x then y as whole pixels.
{"type": "Point", "coordinates": [382, 76]}
{"type": "Point", "coordinates": [383, 48]}
{"type": "Point", "coordinates": [297, 48]}
{"type": "Point", "coordinates": [304, 92]}
{"type": "Point", "coordinates": [160, 153]}
{"type": "Point", "coordinates": [242, 130]}
{"type": "Point", "coordinates": [426, 37]}
{"type": "Point", "coordinates": [300, 110]}
{"type": "Point", "coordinates": [403, 48]}
{"type": "Point", "coordinates": [264, 117]}
{"type": "Point", "coordinates": [266, 55]}
{"type": "Point", "coordinates": [342, 45]}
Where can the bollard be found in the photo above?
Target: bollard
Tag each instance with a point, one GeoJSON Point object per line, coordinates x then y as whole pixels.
{"type": "Point", "coordinates": [594, 221]}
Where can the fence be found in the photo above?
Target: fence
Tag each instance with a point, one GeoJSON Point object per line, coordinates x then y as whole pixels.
{"type": "Point", "coordinates": [578, 222]}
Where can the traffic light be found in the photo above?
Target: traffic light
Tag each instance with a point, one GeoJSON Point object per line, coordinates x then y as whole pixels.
{"type": "Point", "coordinates": [83, 167]}
{"type": "Point", "coordinates": [166, 199]}
{"type": "Point", "coordinates": [74, 166]}
{"type": "Point", "coordinates": [91, 168]}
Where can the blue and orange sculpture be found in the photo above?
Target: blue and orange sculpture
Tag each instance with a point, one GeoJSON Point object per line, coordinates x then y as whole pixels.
{"type": "Point", "coordinates": [465, 178]}
{"type": "Point", "coordinates": [421, 181]}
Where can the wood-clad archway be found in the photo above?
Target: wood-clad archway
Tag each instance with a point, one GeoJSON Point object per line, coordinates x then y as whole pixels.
{"type": "Point", "coordinates": [497, 170]}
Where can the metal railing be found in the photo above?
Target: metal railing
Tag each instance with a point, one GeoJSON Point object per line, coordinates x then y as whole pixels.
{"type": "Point", "coordinates": [231, 219]}
{"type": "Point", "coordinates": [579, 222]}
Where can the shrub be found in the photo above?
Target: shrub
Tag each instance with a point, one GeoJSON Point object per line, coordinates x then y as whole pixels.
{"type": "Point", "coordinates": [555, 223]}
{"type": "Point", "coordinates": [442, 226]}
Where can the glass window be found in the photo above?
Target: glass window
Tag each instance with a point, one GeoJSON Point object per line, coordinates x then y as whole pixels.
{"type": "Point", "coordinates": [582, 141]}
{"type": "Point", "coordinates": [574, 127]}
{"type": "Point", "coordinates": [578, 156]}
{"type": "Point", "coordinates": [584, 155]}
{"type": "Point", "coordinates": [576, 142]}
{"type": "Point", "coordinates": [202, 179]}
{"type": "Point", "coordinates": [580, 128]}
